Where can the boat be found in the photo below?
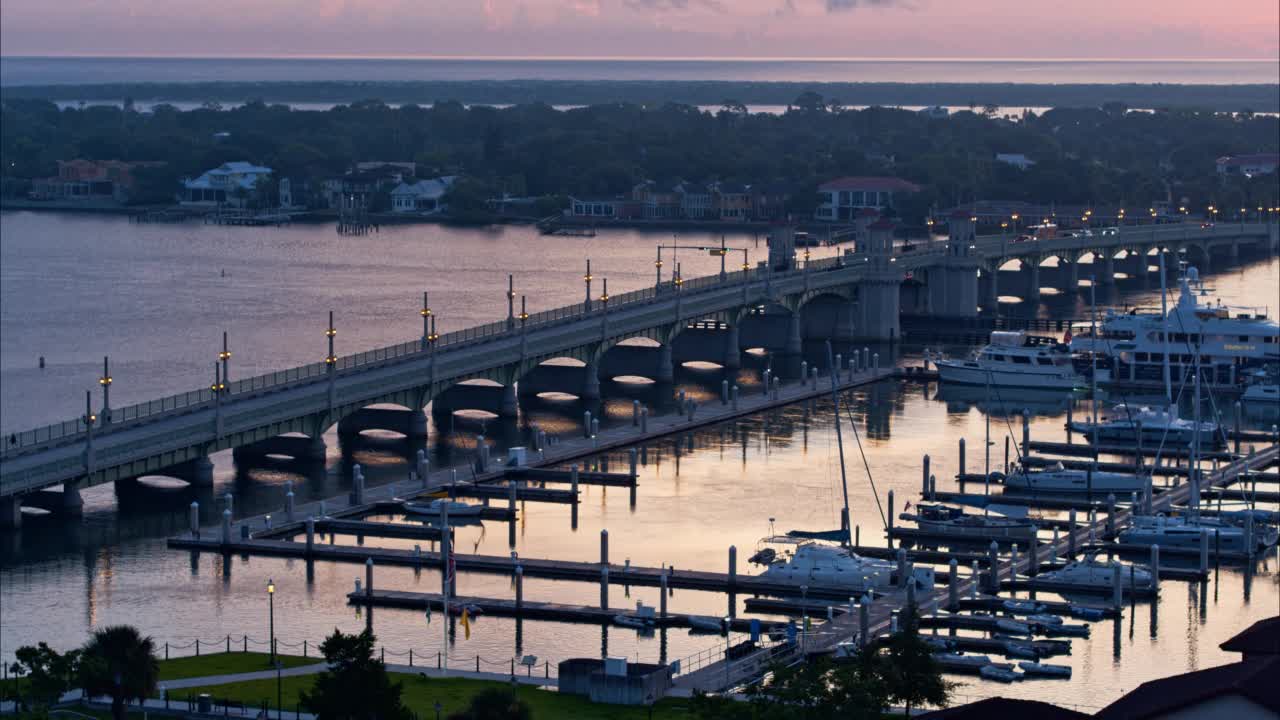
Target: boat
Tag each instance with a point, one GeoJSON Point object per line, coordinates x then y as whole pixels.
{"type": "Point", "coordinates": [1000, 672]}
{"type": "Point", "coordinates": [438, 507]}
{"type": "Point", "coordinates": [819, 565]}
{"type": "Point", "coordinates": [1046, 619]}
{"type": "Point", "coordinates": [937, 642]}
{"type": "Point", "coordinates": [1013, 648]}
{"type": "Point", "coordinates": [1141, 340]}
{"type": "Point", "coordinates": [959, 662]}
{"type": "Point", "coordinates": [1127, 422]}
{"type": "Point", "coordinates": [764, 556]}
{"type": "Point", "coordinates": [1095, 574]}
{"type": "Point", "coordinates": [1014, 359]}
{"type": "Point", "coordinates": [1084, 612]}
{"type": "Point", "coordinates": [705, 623]}
{"type": "Point", "coordinates": [1262, 393]}
{"type": "Point", "coordinates": [1022, 606]}
{"type": "Point", "coordinates": [1045, 669]}
{"type": "Point", "coordinates": [948, 520]}
{"type": "Point", "coordinates": [632, 622]}
{"type": "Point", "coordinates": [1057, 479]}
{"type": "Point", "coordinates": [1185, 531]}
{"type": "Point", "coordinates": [1015, 627]}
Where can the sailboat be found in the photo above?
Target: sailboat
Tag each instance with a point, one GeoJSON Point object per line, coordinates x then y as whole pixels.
{"type": "Point", "coordinates": [817, 564]}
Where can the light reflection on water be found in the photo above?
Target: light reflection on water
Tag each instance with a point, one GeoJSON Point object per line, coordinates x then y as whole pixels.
{"type": "Point", "coordinates": [690, 506]}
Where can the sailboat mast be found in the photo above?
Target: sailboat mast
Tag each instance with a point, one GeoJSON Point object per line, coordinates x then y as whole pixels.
{"type": "Point", "coordinates": [1195, 438]}
{"type": "Point", "coordinates": [1093, 356]}
{"type": "Point", "coordinates": [844, 480]}
{"type": "Point", "coordinates": [1164, 330]}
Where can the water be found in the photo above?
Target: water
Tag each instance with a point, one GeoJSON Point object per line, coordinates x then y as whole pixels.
{"type": "Point", "coordinates": [16, 70]}
{"type": "Point", "coordinates": [74, 288]}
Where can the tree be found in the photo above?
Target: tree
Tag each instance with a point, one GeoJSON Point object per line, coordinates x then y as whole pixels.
{"type": "Point", "coordinates": [820, 689]}
{"type": "Point", "coordinates": [48, 673]}
{"type": "Point", "coordinates": [355, 686]}
{"type": "Point", "coordinates": [912, 677]}
{"type": "Point", "coordinates": [119, 662]}
{"type": "Point", "coordinates": [495, 704]}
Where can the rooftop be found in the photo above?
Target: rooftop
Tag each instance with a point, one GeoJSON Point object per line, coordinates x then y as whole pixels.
{"type": "Point", "coordinates": [1261, 638]}
{"type": "Point", "coordinates": [1252, 679]}
{"type": "Point", "coordinates": [999, 708]}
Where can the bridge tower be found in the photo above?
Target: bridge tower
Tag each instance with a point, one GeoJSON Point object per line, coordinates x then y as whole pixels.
{"type": "Point", "coordinates": [953, 281]}
{"type": "Point", "coordinates": [878, 291]}
{"type": "Point", "coordinates": [782, 248]}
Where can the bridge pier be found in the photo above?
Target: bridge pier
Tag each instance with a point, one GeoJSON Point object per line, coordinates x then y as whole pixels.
{"type": "Point", "coordinates": [1273, 236]}
{"type": "Point", "coordinates": [1107, 273]}
{"type": "Point", "coordinates": [510, 403]}
{"type": "Point", "coordinates": [666, 369]}
{"type": "Point", "coordinates": [591, 382]}
{"type": "Point", "coordinates": [991, 303]}
{"type": "Point", "coordinates": [1033, 290]}
{"type": "Point", "coordinates": [1073, 278]}
{"type": "Point", "coordinates": [198, 472]}
{"type": "Point", "coordinates": [732, 351]}
{"type": "Point", "coordinates": [11, 512]}
{"type": "Point", "coordinates": [71, 502]}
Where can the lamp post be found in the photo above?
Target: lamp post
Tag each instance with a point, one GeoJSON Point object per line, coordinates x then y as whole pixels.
{"type": "Point", "coordinates": [587, 279]}
{"type": "Point", "coordinates": [225, 358]}
{"type": "Point", "coordinates": [1120, 217]}
{"type": "Point", "coordinates": [105, 382]}
{"type": "Point", "coordinates": [271, 615]}
{"type": "Point", "coordinates": [425, 312]}
{"type": "Point", "coordinates": [1014, 219]}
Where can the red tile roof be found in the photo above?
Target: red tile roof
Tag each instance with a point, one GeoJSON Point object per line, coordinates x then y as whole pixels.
{"type": "Point", "coordinates": [891, 184]}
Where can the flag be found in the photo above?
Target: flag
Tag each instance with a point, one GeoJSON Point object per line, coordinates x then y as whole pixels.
{"type": "Point", "coordinates": [466, 623]}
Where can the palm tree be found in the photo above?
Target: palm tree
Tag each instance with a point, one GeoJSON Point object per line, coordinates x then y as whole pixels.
{"type": "Point", "coordinates": [120, 662]}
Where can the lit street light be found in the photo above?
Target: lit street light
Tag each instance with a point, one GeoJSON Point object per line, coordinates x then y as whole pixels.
{"type": "Point", "coordinates": [271, 622]}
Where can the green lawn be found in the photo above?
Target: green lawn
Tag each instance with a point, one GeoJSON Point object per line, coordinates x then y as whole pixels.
{"type": "Point", "coordinates": [453, 693]}
{"type": "Point", "coordinates": [226, 664]}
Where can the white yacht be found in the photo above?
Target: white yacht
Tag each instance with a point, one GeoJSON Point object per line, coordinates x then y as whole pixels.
{"type": "Point", "coordinates": [1156, 425]}
{"type": "Point", "coordinates": [1014, 359]}
{"type": "Point", "coordinates": [1184, 532]}
{"type": "Point", "coordinates": [828, 566]}
{"type": "Point", "coordinates": [1263, 394]}
{"type": "Point", "coordinates": [1093, 573]}
{"type": "Point", "coordinates": [1229, 338]}
{"type": "Point", "coordinates": [1057, 479]}
{"type": "Point", "coordinates": [436, 508]}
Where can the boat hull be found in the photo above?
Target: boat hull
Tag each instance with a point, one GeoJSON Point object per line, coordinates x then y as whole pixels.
{"type": "Point", "coordinates": [957, 372]}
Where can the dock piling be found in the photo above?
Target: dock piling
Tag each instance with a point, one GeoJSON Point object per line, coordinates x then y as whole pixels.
{"type": "Point", "coordinates": [288, 506]}
{"type": "Point", "coordinates": [519, 589]}
{"type": "Point", "coordinates": [1071, 534]}
{"type": "Point", "coordinates": [962, 457]}
{"type": "Point", "coordinates": [633, 463]}
{"type": "Point", "coordinates": [604, 548]}
{"type": "Point", "coordinates": [733, 565]}
{"type": "Point", "coordinates": [902, 567]}
{"type": "Point", "coordinates": [889, 517]}
{"type": "Point", "coordinates": [733, 397]}
{"type": "Point", "coordinates": [195, 519]}
{"type": "Point", "coordinates": [1013, 562]}
{"type": "Point", "coordinates": [1204, 551]}
{"type": "Point", "coordinates": [635, 413]}
{"type": "Point", "coordinates": [644, 420]}
{"type": "Point", "coordinates": [1155, 566]}
{"type": "Point", "coordinates": [765, 385]}
{"type": "Point", "coordinates": [1026, 431]}
{"type": "Point", "coordinates": [924, 477]}
{"type": "Point", "coordinates": [368, 581]}
{"type": "Point", "coordinates": [724, 392]}
{"type": "Point", "coordinates": [804, 372]}
{"type": "Point", "coordinates": [1237, 409]}
{"type": "Point", "coordinates": [311, 535]}
{"type": "Point", "coordinates": [229, 500]}
{"type": "Point", "coordinates": [1117, 588]}
{"type": "Point", "coordinates": [604, 588]}
{"type": "Point", "coordinates": [586, 424]}
{"type": "Point", "coordinates": [226, 527]}
{"type": "Point", "coordinates": [1111, 515]}
{"type": "Point", "coordinates": [662, 593]}
{"type": "Point", "coordinates": [864, 621]}
{"type": "Point", "coordinates": [933, 487]}
{"type": "Point", "coordinates": [875, 361]}
{"type": "Point", "coordinates": [993, 568]}
{"type": "Point", "coordinates": [953, 586]}
{"type": "Point", "coordinates": [974, 581]}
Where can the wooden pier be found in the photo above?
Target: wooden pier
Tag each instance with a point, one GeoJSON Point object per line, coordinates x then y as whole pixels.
{"type": "Point", "coordinates": [542, 475]}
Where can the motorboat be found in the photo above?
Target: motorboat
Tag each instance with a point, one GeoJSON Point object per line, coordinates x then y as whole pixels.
{"type": "Point", "coordinates": [1014, 359]}
{"type": "Point", "coordinates": [1057, 479]}
{"type": "Point", "coordinates": [818, 565]}
{"type": "Point", "coordinates": [1022, 606]}
{"type": "Point", "coordinates": [1045, 619]}
{"type": "Point", "coordinates": [632, 622]}
{"type": "Point", "coordinates": [1185, 531]}
{"type": "Point", "coordinates": [937, 642]}
{"type": "Point", "coordinates": [948, 520]}
{"type": "Point", "coordinates": [1000, 672]}
{"type": "Point", "coordinates": [1040, 669]}
{"type": "Point", "coordinates": [705, 623]}
{"type": "Point", "coordinates": [959, 662]}
{"type": "Point", "coordinates": [1013, 648]}
{"type": "Point", "coordinates": [1014, 627]}
{"type": "Point", "coordinates": [1092, 573]}
{"type": "Point", "coordinates": [1084, 612]}
{"type": "Point", "coordinates": [1126, 423]}
{"type": "Point", "coordinates": [437, 508]}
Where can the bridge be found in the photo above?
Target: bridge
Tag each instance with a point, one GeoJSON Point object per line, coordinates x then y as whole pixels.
{"type": "Point", "coordinates": [776, 305]}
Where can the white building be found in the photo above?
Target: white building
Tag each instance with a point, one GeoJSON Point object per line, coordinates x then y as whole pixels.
{"type": "Point", "coordinates": [842, 198]}
{"type": "Point", "coordinates": [1248, 165]}
{"type": "Point", "coordinates": [228, 184]}
{"type": "Point", "coordinates": [421, 196]}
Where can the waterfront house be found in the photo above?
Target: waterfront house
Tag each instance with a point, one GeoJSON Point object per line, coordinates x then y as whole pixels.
{"type": "Point", "coordinates": [367, 185]}
{"type": "Point", "coordinates": [1249, 165]}
{"type": "Point", "coordinates": [658, 201]}
{"type": "Point", "coordinates": [696, 201]}
{"type": "Point", "coordinates": [423, 196]}
{"type": "Point", "coordinates": [604, 208]}
{"type": "Point", "coordinates": [733, 202]}
{"type": "Point", "coordinates": [81, 179]}
{"type": "Point", "coordinates": [840, 199]}
{"type": "Point", "coordinates": [769, 201]}
{"type": "Point", "coordinates": [231, 183]}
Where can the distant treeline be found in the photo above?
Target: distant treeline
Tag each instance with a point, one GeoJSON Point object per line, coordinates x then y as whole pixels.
{"type": "Point", "coordinates": [1222, 98]}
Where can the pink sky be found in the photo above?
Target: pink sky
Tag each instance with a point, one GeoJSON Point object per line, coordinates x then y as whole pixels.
{"type": "Point", "coordinates": [646, 28]}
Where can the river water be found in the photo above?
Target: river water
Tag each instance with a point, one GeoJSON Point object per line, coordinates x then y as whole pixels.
{"type": "Point", "coordinates": [156, 299]}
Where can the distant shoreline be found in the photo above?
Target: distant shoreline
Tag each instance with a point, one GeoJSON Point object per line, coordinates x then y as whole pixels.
{"type": "Point", "coordinates": [1216, 98]}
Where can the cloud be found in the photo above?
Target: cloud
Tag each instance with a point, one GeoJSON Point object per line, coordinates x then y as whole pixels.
{"type": "Point", "coordinates": [839, 6]}
{"type": "Point", "coordinates": [673, 5]}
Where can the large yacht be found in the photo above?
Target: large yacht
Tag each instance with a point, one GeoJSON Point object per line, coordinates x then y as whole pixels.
{"type": "Point", "coordinates": [1093, 573]}
{"type": "Point", "coordinates": [1057, 479]}
{"type": "Point", "coordinates": [827, 566]}
{"type": "Point", "coordinates": [1014, 359]}
{"type": "Point", "coordinates": [1229, 338]}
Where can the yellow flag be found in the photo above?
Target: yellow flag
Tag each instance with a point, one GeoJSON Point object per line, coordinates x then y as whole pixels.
{"type": "Point", "coordinates": [466, 623]}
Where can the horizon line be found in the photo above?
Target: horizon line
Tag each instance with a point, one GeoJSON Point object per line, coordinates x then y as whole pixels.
{"type": "Point", "coordinates": [636, 58]}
